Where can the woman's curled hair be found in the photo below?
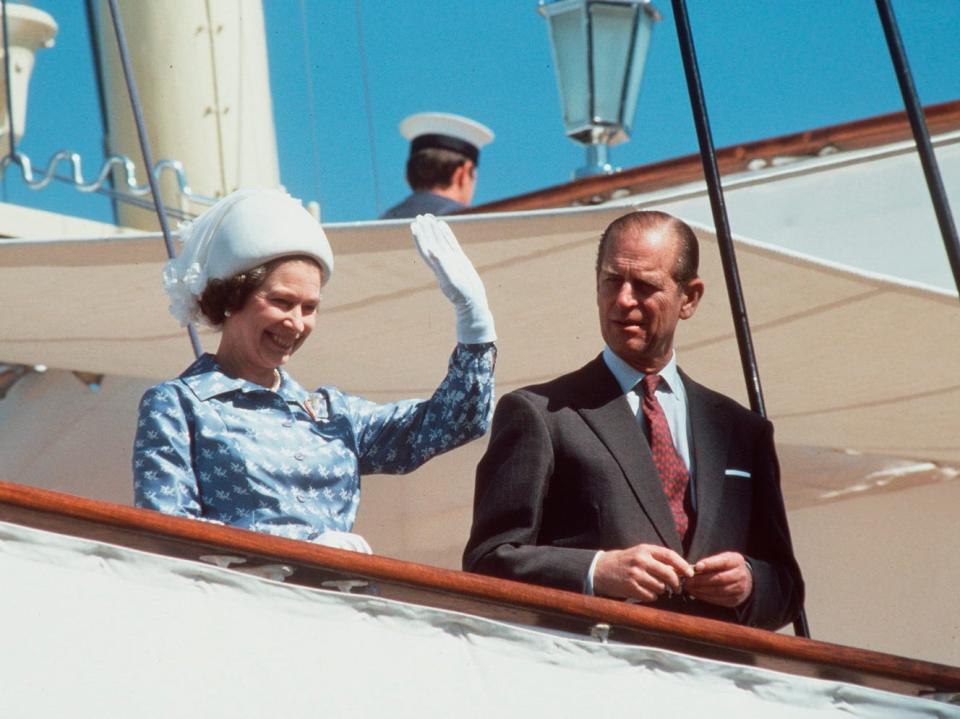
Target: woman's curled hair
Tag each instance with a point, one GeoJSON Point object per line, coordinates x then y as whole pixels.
{"type": "Point", "coordinates": [231, 294]}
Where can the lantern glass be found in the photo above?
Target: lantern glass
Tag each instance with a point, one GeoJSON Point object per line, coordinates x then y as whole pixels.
{"type": "Point", "coordinates": [567, 23]}
{"type": "Point", "coordinates": [599, 48]}
{"type": "Point", "coordinates": [641, 45]}
{"type": "Point", "coordinates": [611, 36]}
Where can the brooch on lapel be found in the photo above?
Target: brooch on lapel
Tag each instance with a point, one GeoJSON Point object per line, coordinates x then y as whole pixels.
{"type": "Point", "coordinates": [316, 406]}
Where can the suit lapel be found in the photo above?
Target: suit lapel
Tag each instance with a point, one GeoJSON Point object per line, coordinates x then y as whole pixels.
{"type": "Point", "coordinates": [606, 412]}
{"type": "Point", "coordinates": [709, 439]}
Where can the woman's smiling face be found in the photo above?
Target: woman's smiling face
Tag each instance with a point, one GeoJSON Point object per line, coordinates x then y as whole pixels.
{"type": "Point", "coordinates": [276, 319]}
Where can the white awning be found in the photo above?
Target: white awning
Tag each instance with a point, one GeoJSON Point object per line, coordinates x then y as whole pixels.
{"type": "Point", "coordinates": [848, 360]}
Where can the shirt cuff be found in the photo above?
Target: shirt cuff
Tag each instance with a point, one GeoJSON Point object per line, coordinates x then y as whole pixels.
{"type": "Point", "coordinates": [589, 583]}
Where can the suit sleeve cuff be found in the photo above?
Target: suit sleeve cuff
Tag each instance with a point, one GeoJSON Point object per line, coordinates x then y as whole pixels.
{"type": "Point", "coordinates": [588, 586]}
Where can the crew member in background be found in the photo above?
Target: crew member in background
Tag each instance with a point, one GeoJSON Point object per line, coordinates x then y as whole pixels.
{"type": "Point", "coordinates": [442, 167]}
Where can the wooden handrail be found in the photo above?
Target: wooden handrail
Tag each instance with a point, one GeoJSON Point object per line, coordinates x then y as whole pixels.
{"type": "Point", "coordinates": [484, 596]}
{"type": "Point", "coordinates": [856, 135]}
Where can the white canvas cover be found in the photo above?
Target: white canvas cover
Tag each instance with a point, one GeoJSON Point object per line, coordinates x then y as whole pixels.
{"type": "Point", "coordinates": [96, 630]}
{"type": "Point", "coordinates": [849, 360]}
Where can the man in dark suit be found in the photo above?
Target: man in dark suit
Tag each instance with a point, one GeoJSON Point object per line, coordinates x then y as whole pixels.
{"type": "Point", "coordinates": [658, 491]}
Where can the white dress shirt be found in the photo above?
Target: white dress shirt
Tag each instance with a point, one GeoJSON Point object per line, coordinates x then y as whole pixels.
{"type": "Point", "coordinates": [670, 394]}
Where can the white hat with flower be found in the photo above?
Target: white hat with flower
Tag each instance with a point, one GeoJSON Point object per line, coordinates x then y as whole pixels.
{"type": "Point", "coordinates": [245, 229]}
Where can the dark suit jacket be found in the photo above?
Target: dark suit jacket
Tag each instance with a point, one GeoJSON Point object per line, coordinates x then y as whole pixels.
{"type": "Point", "coordinates": [568, 471]}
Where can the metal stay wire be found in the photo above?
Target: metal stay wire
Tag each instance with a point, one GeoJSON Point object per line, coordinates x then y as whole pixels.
{"type": "Point", "coordinates": [918, 123]}
{"type": "Point", "coordinates": [728, 256]}
{"type": "Point", "coordinates": [145, 148]}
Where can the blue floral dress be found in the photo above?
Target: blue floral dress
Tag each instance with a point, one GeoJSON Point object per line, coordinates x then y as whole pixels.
{"type": "Point", "coordinates": [288, 462]}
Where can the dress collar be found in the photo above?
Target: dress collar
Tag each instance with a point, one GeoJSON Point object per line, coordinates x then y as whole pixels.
{"type": "Point", "coordinates": [206, 379]}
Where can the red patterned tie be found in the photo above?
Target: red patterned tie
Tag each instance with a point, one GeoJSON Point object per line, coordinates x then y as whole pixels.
{"type": "Point", "coordinates": [670, 466]}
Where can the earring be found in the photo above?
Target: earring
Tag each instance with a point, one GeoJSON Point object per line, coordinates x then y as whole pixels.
{"type": "Point", "coordinates": [227, 313]}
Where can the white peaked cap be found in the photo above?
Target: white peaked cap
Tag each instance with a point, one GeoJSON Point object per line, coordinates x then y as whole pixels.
{"type": "Point", "coordinates": [442, 129]}
{"type": "Point", "coordinates": [245, 229]}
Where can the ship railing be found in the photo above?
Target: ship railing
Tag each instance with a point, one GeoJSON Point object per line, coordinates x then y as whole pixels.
{"type": "Point", "coordinates": [309, 565]}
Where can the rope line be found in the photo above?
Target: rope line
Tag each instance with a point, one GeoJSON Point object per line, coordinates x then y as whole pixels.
{"type": "Point", "coordinates": [368, 105]}
{"type": "Point", "coordinates": [145, 148]}
{"type": "Point", "coordinates": [311, 99]}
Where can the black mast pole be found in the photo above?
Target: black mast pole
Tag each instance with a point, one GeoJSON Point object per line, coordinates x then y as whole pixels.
{"type": "Point", "coordinates": [921, 136]}
{"type": "Point", "coordinates": [728, 256]}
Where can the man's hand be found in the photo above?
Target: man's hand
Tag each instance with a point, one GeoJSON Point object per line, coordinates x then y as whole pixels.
{"type": "Point", "coordinates": [723, 579]}
{"type": "Point", "coordinates": [643, 572]}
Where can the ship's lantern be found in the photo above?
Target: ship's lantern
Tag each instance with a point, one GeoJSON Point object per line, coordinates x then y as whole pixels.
{"type": "Point", "coordinates": [599, 49]}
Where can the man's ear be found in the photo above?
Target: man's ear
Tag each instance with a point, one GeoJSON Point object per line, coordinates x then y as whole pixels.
{"type": "Point", "coordinates": [462, 182]}
{"type": "Point", "coordinates": [692, 292]}
{"type": "Point", "coordinates": [462, 174]}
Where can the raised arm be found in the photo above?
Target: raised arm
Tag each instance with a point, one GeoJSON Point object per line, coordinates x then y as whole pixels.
{"type": "Point", "coordinates": [399, 437]}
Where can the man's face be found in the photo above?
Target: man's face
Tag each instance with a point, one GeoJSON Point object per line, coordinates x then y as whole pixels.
{"type": "Point", "coordinates": [639, 301]}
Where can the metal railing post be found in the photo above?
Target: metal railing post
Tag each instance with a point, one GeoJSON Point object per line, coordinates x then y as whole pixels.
{"type": "Point", "coordinates": [921, 135]}
{"type": "Point", "coordinates": [145, 148]}
{"type": "Point", "coordinates": [728, 256]}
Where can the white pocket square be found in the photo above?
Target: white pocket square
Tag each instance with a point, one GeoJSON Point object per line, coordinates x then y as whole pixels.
{"type": "Point", "coordinates": [737, 473]}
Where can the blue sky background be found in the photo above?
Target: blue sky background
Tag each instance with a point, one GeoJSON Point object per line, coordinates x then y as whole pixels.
{"type": "Point", "coordinates": [769, 67]}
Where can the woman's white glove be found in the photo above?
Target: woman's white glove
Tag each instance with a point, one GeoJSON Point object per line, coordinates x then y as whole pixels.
{"type": "Point", "coordinates": [457, 277]}
{"type": "Point", "coordinates": [343, 540]}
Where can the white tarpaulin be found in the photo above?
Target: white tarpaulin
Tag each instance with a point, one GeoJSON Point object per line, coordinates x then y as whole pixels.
{"type": "Point", "coordinates": [95, 630]}
{"type": "Point", "coordinates": [848, 360]}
